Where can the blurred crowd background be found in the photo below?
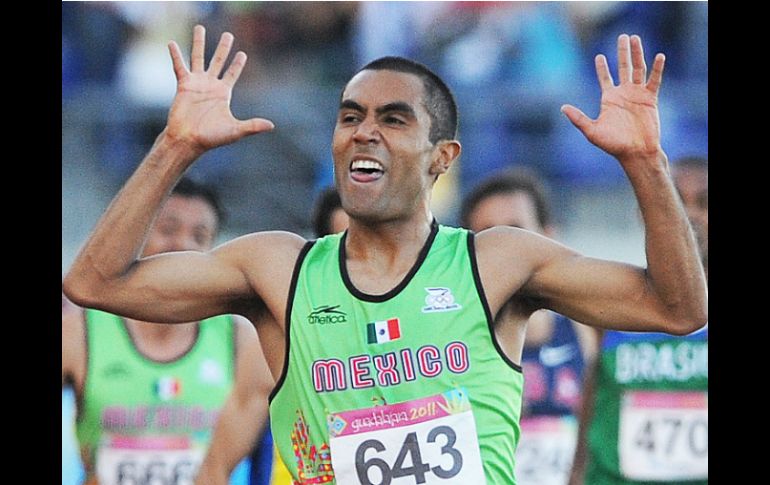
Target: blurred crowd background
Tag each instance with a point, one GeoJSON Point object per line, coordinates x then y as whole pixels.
{"type": "Point", "coordinates": [510, 64]}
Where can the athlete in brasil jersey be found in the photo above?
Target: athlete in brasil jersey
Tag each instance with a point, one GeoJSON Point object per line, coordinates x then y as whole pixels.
{"type": "Point", "coordinates": [652, 397]}
{"type": "Point", "coordinates": [646, 416]}
{"type": "Point", "coordinates": [555, 348]}
{"type": "Point", "coordinates": [418, 416]}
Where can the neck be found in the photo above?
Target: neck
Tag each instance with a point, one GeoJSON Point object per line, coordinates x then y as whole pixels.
{"type": "Point", "coordinates": [387, 239]}
{"type": "Point", "coordinates": [378, 256]}
{"type": "Point", "coordinates": [162, 341]}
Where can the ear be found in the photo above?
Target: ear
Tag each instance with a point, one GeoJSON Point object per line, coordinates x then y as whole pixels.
{"type": "Point", "coordinates": [444, 153]}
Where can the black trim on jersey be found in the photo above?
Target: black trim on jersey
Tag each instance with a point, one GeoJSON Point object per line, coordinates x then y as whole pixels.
{"type": "Point", "coordinates": [149, 359]}
{"type": "Point", "coordinates": [399, 287]}
{"type": "Point", "coordinates": [289, 303]}
{"type": "Point", "coordinates": [485, 304]}
{"type": "Point", "coordinates": [80, 395]}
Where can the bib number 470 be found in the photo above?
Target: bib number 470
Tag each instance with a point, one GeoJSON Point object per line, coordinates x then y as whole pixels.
{"type": "Point", "coordinates": [664, 436]}
{"type": "Point", "coordinates": [415, 466]}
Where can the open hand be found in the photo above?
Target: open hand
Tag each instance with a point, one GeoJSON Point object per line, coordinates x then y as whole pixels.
{"type": "Point", "coordinates": [628, 125]}
{"type": "Point", "coordinates": [200, 115]}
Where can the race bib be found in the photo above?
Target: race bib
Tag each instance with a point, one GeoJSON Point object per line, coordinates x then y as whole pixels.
{"type": "Point", "coordinates": [664, 435]}
{"type": "Point", "coordinates": [546, 449]}
{"type": "Point", "coordinates": [427, 441]}
{"type": "Point", "coordinates": [127, 460]}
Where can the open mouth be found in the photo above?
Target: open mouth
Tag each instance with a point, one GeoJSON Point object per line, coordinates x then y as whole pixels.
{"type": "Point", "coordinates": [366, 170]}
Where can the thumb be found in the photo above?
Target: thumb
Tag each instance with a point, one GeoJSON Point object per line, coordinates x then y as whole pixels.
{"type": "Point", "coordinates": [577, 117]}
{"type": "Point", "coordinates": [255, 125]}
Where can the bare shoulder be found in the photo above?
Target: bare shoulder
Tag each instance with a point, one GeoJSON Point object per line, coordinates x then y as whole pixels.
{"type": "Point", "coordinates": [274, 247]}
{"type": "Point", "coordinates": [266, 260]}
{"type": "Point", "coordinates": [508, 257]}
{"type": "Point", "coordinates": [504, 244]}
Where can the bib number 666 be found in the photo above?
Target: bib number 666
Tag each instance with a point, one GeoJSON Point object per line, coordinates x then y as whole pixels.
{"type": "Point", "coordinates": [409, 461]}
{"type": "Point", "coordinates": [155, 473]}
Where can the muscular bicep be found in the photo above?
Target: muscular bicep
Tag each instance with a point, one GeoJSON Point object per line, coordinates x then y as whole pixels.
{"type": "Point", "coordinates": [600, 293]}
{"type": "Point", "coordinates": [595, 292]}
{"type": "Point", "coordinates": [175, 287]}
{"type": "Point", "coordinates": [188, 285]}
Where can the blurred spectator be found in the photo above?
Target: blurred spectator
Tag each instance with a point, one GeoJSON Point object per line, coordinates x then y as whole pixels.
{"type": "Point", "coordinates": [146, 56]}
{"type": "Point", "coordinates": [92, 34]}
{"type": "Point", "coordinates": [490, 52]}
{"type": "Point", "coordinates": [515, 43]}
{"type": "Point", "coordinates": [401, 29]}
{"type": "Point", "coordinates": [296, 49]}
{"type": "Point", "coordinates": [280, 36]}
{"type": "Point", "coordinates": [148, 395]}
{"type": "Point", "coordinates": [328, 216]}
{"type": "Point", "coordinates": [556, 349]}
{"type": "Point", "coordinates": [645, 414]}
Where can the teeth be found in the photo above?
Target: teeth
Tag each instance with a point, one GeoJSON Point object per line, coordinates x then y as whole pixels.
{"type": "Point", "coordinates": [366, 165]}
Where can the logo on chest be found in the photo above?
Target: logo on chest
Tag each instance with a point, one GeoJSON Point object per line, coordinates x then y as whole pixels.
{"type": "Point", "coordinates": [211, 372]}
{"type": "Point", "coordinates": [327, 314]}
{"type": "Point", "coordinates": [116, 370]}
{"type": "Point", "coordinates": [440, 299]}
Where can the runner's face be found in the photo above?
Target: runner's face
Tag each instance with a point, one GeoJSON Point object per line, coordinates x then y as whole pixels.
{"type": "Point", "coordinates": [515, 209]}
{"type": "Point", "coordinates": [382, 155]}
{"type": "Point", "coordinates": [184, 223]}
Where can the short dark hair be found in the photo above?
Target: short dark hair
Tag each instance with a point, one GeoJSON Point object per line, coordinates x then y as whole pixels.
{"type": "Point", "coordinates": [188, 187]}
{"type": "Point", "coordinates": [506, 182]}
{"type": "Point", "coordinates": [439, 100]}
{"type": "Point", "coordinates": [326, 203]}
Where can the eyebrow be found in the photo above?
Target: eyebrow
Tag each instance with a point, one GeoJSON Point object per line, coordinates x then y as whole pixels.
{"type": "Point", "coordinates": [350, 104]}
{"type": "Point", "coordinates": [396, 106]}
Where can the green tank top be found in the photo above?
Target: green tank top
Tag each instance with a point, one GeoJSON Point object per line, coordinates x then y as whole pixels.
{"type": "Point", "coordinates": [142, 419]}
{"type": "Point", "coordinates": [411, 383]}
{"type": "Point", "coordinates": [650, 424]}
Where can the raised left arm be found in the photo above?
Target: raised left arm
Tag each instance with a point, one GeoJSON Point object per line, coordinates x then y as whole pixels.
{"type": "Point", "coordinates": [598, 293]}
{"type": "Point", "coordinates": [628, 127]}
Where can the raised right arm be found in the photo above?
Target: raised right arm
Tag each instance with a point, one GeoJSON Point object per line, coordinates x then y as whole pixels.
{"type": "Point", "coordinates": [108, 273]}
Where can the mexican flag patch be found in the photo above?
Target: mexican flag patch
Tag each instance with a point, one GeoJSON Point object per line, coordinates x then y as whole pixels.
{"type": "Point", "coordinates": [167, 388]}
{"type": "Point", "coordinates": [383, 331]}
